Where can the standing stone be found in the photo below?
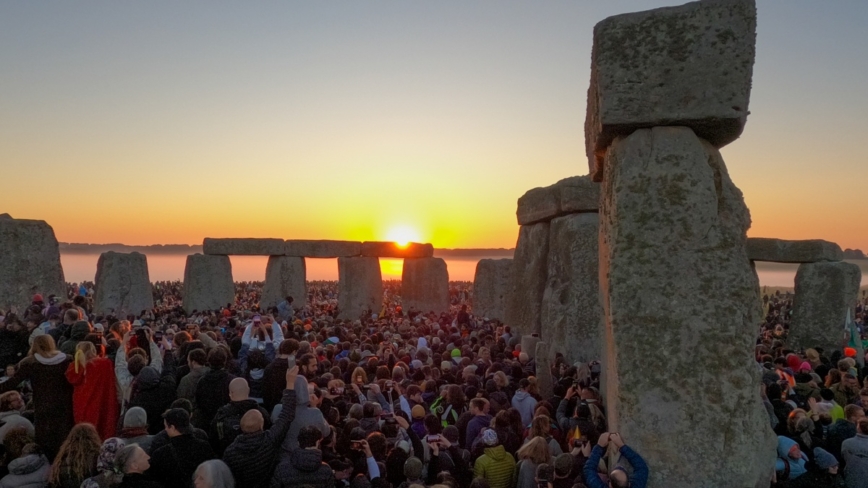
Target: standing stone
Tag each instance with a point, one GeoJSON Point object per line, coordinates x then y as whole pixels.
{"type": "Point", "coordinates": [544, 379]}
{"type": "Point", "coordinates": [284, 276]}
{"type": "Point", "coordinates": [425, 285]}
{"type": "Point", "coordinates": [29, 262]}
{"type": "Point", "coordinates": [689, 66]}
{"type": "Point", "coordinates": [208, 282]}
{"type": "Point", "coordinates": [491, 287]}
{"type": "Point", "coordinates": [824, 293]}
{"type": "Point", "coordinates": [360, 287]}
{"type": "Point", "coordinates": [571, 311]}
{"type": "Point", "coordinates": [530, 264]}
{"type": "Point", "coordinates": [681, 309]}
{"type": "Point", "coordinates": [528, 345]}
{"type": "Point", "coordinates": [123, 286]}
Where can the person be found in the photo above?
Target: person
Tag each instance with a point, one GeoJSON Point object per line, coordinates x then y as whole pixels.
{"type": "Point", "coordinates": [30, 470]}
{"type": "Point", "coordinates": [580, 423]}
{"type": "Point", "coordinates": [174, 464]}
{"type": "Point", "coordinates": [854, 452]}
{"type": "Point", "coordinates": [252, 455]}
{"type": "Point", "coordinates": [106, 476]}
{"type": "Point", "coordinates": [213, 474]}
{"type": "Point", "coordinates": [135, 428]}
{"type": "Point", "coordinates": [495, 465]}
{"type": "Point", "coordinates": [94, 397]}
{"type": "Point", "coordinates": [618, 477]}
{"type": "Point", "coordinates": [76, 460]}
{"type": "Point", "coordinates": [304, 465]}
{"type": "Point", "coordinates": [11, 407]}
{"type": "Point", "coordinates": [125, 371]}
{"type": "Point", "coordinates": [524, 402]}
{"type": "Point", "coordinates": [822, 474]}
{"type": "Point", "coordinates": [284, 309]}
{"type": "Point", "coordinates": [132, 462]}
{"type": "Point", "coordinates": [305, 414]}
{"type": "Point", "coordinates": [273, 376]}
{"type": "Point", "coordinates": [45, 368]}
{"type": "Point", "coordinates": [481, 419]}
{"type": "Point", "coordinates": [227, 421]}
{"type": "Point", "coordinates": [843, 430]}
{"type": "Point", "coordinates": [212, 390]}
{"type": "Point", "coordinates": [78, 332]}
{"type": "Point", "coordinates": [197, 362]}
{"type": "Point", "coordinates": [533, 454]}
{"type": "Point", "coordinates": [153, 392]}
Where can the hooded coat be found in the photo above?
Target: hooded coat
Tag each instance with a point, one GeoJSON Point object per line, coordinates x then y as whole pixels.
{"type": "Point", "coordinates": [29, 471]}
{"type": "Point", "coordinates": [474, 427]}
{"type": "Point", "coordinates": [497, 466]}
{"type": "Point", "coordinates": [525, 404]}
{"type": "Point", "coordinates": [95, 397]}
{"type": "Point", "coordinates": [796, 467]}
{"type": "Point", "coordinates": [303, 467]}
{"type": "Point", "coordinates": [304, 415]}
{"type": "Point", "coordinates": [154, 394]}
{"type": "Point", "coordinates": [77, 333]}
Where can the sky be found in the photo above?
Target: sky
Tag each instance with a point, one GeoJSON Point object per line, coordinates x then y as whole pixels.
{"type": "Point", "coordinates": [166, 122]}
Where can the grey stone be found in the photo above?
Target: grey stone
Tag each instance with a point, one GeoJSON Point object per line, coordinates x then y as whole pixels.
{"type": "Point", "coordinates": [529, 268]}
{"type": "Point", "coordinates": [528, 345]}
{"type": "Point", "coordinates": [824, 293]}
{"type": "Point", "coordinates": [243, 246]}
{"type": "Point", "coordinates": [323, 249]}
{"type": "Point", "coordinates": [425, 285]}
{"type": "Point", "coordinates": [491, 288]}
{"type": "Point", "coordinates": [854, 254]}
{"type": "Point", "coordinates": [360, 287]}
{"type": "Point", "coordinates": [544, 379]}
{"type": "Point", "coordinates": [689, 65]}
{"type": "Point", "coordinates": [380, 249]}
{"type": "Point", "coordinates": [782, 251]}
{"type": "Point", "coordinates": [569, 195]}
{"type": "Point", "coordinates": [571, 311]}
{"type": "Point", "coordinates": [284, 276]}
{"type": "Point", "coordinates": [123, 286]}
{"type": "Point", "coordinates": [208, 282]}
{"type": "Point", "coordinates": [681, 305]}
{"type": "Point", "coordinates": [29, 262]}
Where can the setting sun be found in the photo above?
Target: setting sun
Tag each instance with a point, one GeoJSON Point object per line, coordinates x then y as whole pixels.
{"type": "Point", "coordinates": [403, 235]}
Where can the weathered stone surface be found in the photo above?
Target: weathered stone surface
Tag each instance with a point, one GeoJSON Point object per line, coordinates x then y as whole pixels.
{"type": "Point", "coordinates": [360, 287]}
{"type": "Point", "coordinates": [681, 307]}
{"type": "Point", "coordinates": [243, 247]}
{"type": "Point", "coordinates": [323, 249]}
{"type": "Point", "coordinates": [529, 267]}
{"type": "Point", "coordinates": [528, 344]}
{"type": "Point", "coordinates": [29, 262]}
{"type": "Point", "coordinates": [425, 285]}
{"type": "Point", "coordinates": [208, 282]}
{"type": "Point", "coordinates": [782, 251]}
{"type": "Point", "coordinates": [491, 288]}
{"type": "Point", "coordinates": [824, 292]}
{"type": "Point", "coordinates": [123, 285]}
{"type": "Point", "coordinates": [284, 276]}
{"type": "Point", "coordinates": [571, 311]}
{"type": "Point", "coordinates": [570, 195]}
{"type": "Point", "coordinates": [689, 65]}
{"type": "Point", "coordinates": [379, 249]}
{"type": "Point", "coordinates": [544, 379]}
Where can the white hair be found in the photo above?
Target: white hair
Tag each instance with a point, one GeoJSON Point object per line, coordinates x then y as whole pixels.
{"type": "Point", "coordinates": [216, 473]}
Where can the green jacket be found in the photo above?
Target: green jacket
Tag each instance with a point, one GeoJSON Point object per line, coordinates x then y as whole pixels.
{"type": "Point", "coordinates": [497, 466]}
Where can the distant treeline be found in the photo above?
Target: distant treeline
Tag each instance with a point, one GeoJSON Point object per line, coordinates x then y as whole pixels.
{"type": "Point", "coordinates": [854, 254]}
{"type": "Point", "coordinates": [81, 248]}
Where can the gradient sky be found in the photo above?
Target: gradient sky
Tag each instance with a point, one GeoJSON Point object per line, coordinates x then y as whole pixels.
{"type": "Point", "coordinates": [165, 122]}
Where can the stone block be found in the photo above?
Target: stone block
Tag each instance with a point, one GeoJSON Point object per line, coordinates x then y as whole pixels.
{"type": "Point", "coordinates": [284, 276]}
{"type": "Point", "coordinates": [689, 65]}
{"type": "Point", "coordinates": [681, 308]}
{"type": "Point", "coordinates": [529, 268]}
{"type": "Point", "coordinates": [491, 288]}
{"type": "Point", "coordinates": [425, 285]}
{"type": "Point", "coordinates": [782, 251]}
{"type": "Point", "coordinates": [208, 283]}
{"type": "Point", "coordinates": [544, 379]}
{"type": "Point", "coordinates": [243, 247]}
{"type": "Point", "coordinates": [571, 311]}
{"type": "Point", "coordinates": [528, 344]}
{"type": "Point", "coordinates": [123, 286]}
{"type": "Point", "coordinates": [824, 293]}
{"type": "Point", "coordinates": [29, 262]}
{"type": "Point", "coordinates": [569, 195]}
{"type": "Point", "coordinates": [360, 287]}
{"type": "Point", "coordinates": [323, 249]}
{"type": "Point", "coordinates": [379, 249]}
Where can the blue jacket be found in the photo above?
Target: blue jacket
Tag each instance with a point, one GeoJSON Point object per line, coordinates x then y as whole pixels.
{"type": "Point", "coordinates": [640, 470]}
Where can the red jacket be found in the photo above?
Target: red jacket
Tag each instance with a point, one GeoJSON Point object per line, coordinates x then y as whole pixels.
{"type": "Point", "coordinates": [94, 397]}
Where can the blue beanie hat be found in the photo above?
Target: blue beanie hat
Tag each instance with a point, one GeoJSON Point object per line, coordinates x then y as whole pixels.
{"type": "Point", "coordinates": [823, 459]}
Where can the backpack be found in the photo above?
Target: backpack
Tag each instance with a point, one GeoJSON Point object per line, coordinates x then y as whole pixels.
{"type": "Point", "coordinates": [226, 427]}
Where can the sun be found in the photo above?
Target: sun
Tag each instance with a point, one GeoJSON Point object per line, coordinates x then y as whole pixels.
{"type": "Point", "coordinates": [403, 235]}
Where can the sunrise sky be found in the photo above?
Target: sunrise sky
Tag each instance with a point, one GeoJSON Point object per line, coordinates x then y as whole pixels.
{"type": "Point", "coordinates": [166, 122]}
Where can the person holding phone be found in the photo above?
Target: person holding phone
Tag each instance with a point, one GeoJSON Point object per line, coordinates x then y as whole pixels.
{"type": "Point", "coordinates": [618, 477]}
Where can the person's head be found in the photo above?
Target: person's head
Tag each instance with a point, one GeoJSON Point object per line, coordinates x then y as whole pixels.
{"type": "Point", "coordinates": [11, 401]}
{"type": "Point", "coordinates": [213, 473]}
{"type": "Point", "coordinates": [862, 426]}
{"type": "Point", "coordinates": [309, 437]}
{"type": "Point", "coordinates": [217, 358]}
{"type": "Point", "coordinates": [136, 363]}
{"type": "Point", "coordinates": [413, 469]}
{"type": "Point", "coordinates": [176, 421]}
{"type": "Point", "coordinates": [854, 413]}
{"type": "Point", "coordinates": [479, 406]}
{"type": "Point", "coordinates": [540, 426]}
{"type": "Point", "coordinates": [132, 459]}
{"type": "Point", "coordinates": [108, 452]}
{"type": "Point", "coordinates": [825, 461]}
{"type": "Point", "coordinates": [287, 347]}
{"type": "Point", "coordinates": [252, 421]}
{"type": "Point", "coordinates": [307, 365]}
{"type": "Point", "coordinates": [315, 394]}
{"type": "Point", "coordinates": [536, 450]}
{"type": "Point", "coordinates": [491, 439]}
{"type": "Point", "coordinates": [78, 453]}
{"type": "Point", "coordinates": [196, 358]}
{"type": "Point", "coordinates": [618, 478]}
{"type": "Point", "coordinates": [44, 346]}
{"type": "Point", "coordinates": [864, 395]}
{"type": "Point", "coordinates": [359, 376]}
{"type": "Point", "coordinates": [70, 316]}
{"type": "Point", "coordinates": [136, 418]}
{"type": "Point", "coordinates": [87, 349]}
{"type": "Point", "coordinates": [239, 390]}
{"type": "Point", "coordinates": [10, 370]}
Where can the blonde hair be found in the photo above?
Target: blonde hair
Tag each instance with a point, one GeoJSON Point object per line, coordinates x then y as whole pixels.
{"type": "Point", "coordinates": [535, 450]}
{"type": "Point", "coordinates": [44, 346]}
{"type": "Point", "coordinates": [87, 348]}
{"type": "Point", "coordinates": [540, 426]}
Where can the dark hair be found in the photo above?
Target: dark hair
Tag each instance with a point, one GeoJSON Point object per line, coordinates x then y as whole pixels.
{"type": "Point", "coordinates": [197, 356]}
{"type": "Point", "coordinates": [308, 436]}
{"type": "Point", "coordinates": [136, 364]}
{"type": "Point", "coordinates": [183, 403]}
{"type": "Point", "coordinates": [177, 418]}
{"type": "Point", "coordinates": [288, 346]}
{"type": "Point", "coordinates": [217, 358]}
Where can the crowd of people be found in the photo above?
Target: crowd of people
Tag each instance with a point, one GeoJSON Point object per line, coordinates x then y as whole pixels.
{"type": "Point", "coordinates": [293, 396]}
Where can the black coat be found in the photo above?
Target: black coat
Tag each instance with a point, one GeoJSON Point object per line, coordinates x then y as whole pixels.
{"type": "Point", "coordinates": [139, 481]}
{"type": "Point", "coordinates": [273, 382]}
{"type": "Point", "coordinates": [155, 395]}
{"type": "Point", "coordinates": [212, 392]}
{"type": "Point", "coordinates": [303, 467]}
{"type": "Point", "coordinates": [173, 465]}
{"type": "Point", "coordinates": [227, 423]}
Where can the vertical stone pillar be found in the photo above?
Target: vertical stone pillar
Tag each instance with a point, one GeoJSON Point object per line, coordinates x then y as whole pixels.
{"type": "Point", "coordinates": [544, 379]}
{"type": "Point", "coordinates": [122, 284]}
{"type": "Point", "coordinates": [824, 293]}
{"type": "Point", "coordinates": [29, 262]}
{"type": "Point", "coordinates": [425, 285]}
{"type": "Point", "coordinates": [360, 287]}
{"type": "Point", "coordinates": [528, 345]}
{"type": "Point", "coordinates": [681, 314]}
{"type": "Point", "coordinates": [530, 264]}
{"type": "Point", "coordinates": [491, 288]}
{"type": "Point", "coordinates": [208, 282]}
{"type": "Point", "coordinates": [571, 312]}
{"type": "Point", "coordinates": [284, 276]}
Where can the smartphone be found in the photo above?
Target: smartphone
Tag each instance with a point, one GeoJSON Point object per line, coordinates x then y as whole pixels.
{"type": "Point", "coordinates": [158, 336]}
{"type": "Point", "coordinates": [387, 415]}
{"type": "Point", "coordinates": [357, 445]}
{"type": "Point", "coordinates": [432, 438]}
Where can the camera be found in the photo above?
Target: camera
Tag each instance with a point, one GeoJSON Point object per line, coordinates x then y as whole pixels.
{"type": "Point", "coordinates": [432, 438]}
